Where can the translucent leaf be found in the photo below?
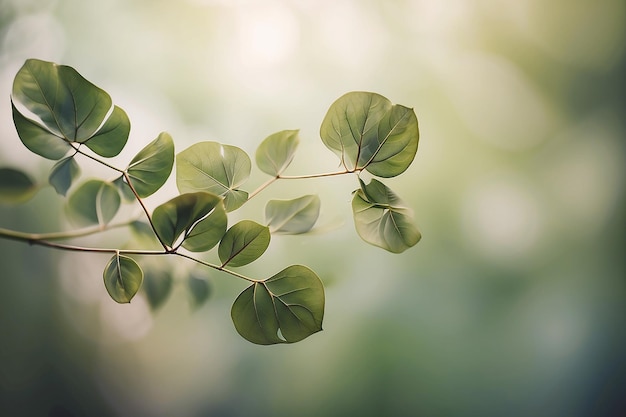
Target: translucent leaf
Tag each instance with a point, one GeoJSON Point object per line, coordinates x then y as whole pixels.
{"type": "Point", "coordinates": [292, 216]}
{"type": "Point", "coordinates": [70, 107]}
{"type": "Point", "coordinates": [63, 174]}
{"type": "Point", "coordinates": [122, 278]}
{"type": "Point", "coordinates": [181, 213]}
{"type": "Point", "coordinates": [157, 285]}
{"type": "Point", "coordinates": [112, 137]}
{"type": "Point", "coordinates": [152, 166]}
{"type": "Point", "coordinates": [276, 152]}
{"type": "Point", "coordinates": [243, 243]}
{"type": "Point", "coordinates": [216, 168]}
{"type": "Point", "coordinates": [93, 202]}
{"type": "Point", "coordinates": [368, 132]}
{"type": "Point", "coordinates": [382, 218]}
{"type": "Point", "coordinates": [38, 139]}
{"type": "Point", "coordinates": [15, 186]}
{"type": "Point", "coordinates": [199, 290]}
{"type": "Point", "coordinates": [285, 308]}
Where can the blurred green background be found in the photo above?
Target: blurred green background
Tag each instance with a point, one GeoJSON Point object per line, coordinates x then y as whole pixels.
{"type": "Point", "coordinates": [511, 305]}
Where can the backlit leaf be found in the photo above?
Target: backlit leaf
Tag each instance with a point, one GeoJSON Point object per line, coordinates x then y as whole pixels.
{"type": "Point", "coordinates": [382, 219]}
{"type": "Point", "coordinates": [112, 137]}
{"type": "Point", "coordinates": [93, 202]}
{"type": "Point", "coordinates": [292, 216]}
{"type": "Point", "coordinates": [63, 174]}
{"type": "Point", "coordinates": [207, 233]}
{"type": "Point", "coordinates": [216, 168]}
{"type": "Point", "coordinates": [178, 216]}
{"type": "Point", "coordinates": [285, 308]}
{"type": "Point", "coordinates": [152, 166]}
{"type": "Point", "coordinates": [243, 243]}
{"type": "Point", "coordinates": [276, 152]}
{"type": "Point", "coordinates": [368, 132]}
{"type": "Point", "coordinates": [38, 139]}
{"type": "Point", "coordinates": [15, 186]}
{"type": "Point", "coordinates": [122, 278]}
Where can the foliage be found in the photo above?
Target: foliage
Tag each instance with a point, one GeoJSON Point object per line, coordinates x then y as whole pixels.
{"type": "Point", "coordinates": [59, 115]}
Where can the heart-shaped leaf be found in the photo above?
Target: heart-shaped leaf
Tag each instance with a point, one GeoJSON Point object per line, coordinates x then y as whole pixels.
{"type": "Point", "coordinates": [215, 168]}
{"type": "Point", "coordinates": [71, 109]}
{"type": "Point", "coordinates": [368, 132]}
{"type": "Point", "coordinates": [122, 278]}
{"type": "Point", "coordinates": [181, 214]}
{"type": "Point", "coordinates": [276, 152]}
{"type": "Point", "coordinates": [15, 186]}
{"type": "Point", "coordinates": [63, 174]}
{"type": "Point", "coordinates": [157, 285]}
{"type": "Point", "coordinates": [152, 166]}
{"type": "Point", "coordinates": [292, 216]}
{"type": "Point", "coordinates": [93, 202]}
{"type": "Point", "coordinates": [285, 308]}
{"type": "Point", "coordinates": [199, 290]}
{"type": "Point", "coordinates": [383, 219]}
{"type": "Point", "coordinates": [243, 243]}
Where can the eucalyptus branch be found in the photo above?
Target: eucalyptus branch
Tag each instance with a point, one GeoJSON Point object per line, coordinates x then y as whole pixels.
{"type": "Point", "coordinates": [216, 267]}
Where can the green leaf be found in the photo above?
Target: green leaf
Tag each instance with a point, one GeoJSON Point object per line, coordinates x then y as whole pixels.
{"type": "Point", "coordinates": [38, 139]}
{"type": "Point", "coordinates": [15, 186]}
{"type": "Point", "coordinates": [382, 218]}
{"type": "Point", "coordinates": [152, 166]}
{"type": "Point", "coordinates": [63, 174]}
{"type": "Point", "coordinates": [206, 233]}
{"type": "Point", "coordinates": [71, 109]}
{"type": "Point", "coordinates": [181, 214]}
{"type": "Point", "coordinates": [112, 137]}
{"type": "Point", "coordinates": [157, 285]}
{"type": "Point", "coordinates": [122, 278]}
{"type": "Point", "coordinates": [199, 290]}
{"type": "Point", "coordinates": [367, 132]}
{"type": "Point", "coordinates": [292, 216]}
{"type": "Point", "coordinates": [216, 168]}
{"type": "Point", "coordinates": [93, 202]}
{"type": "Point", "coordinates": [285, 308]}
{"type": "Point", "coordinates": [243, 243]}
{"type": "Point", "coordinates": [276, 152]}
{"type": "Point", "coordinates": [124, 189]}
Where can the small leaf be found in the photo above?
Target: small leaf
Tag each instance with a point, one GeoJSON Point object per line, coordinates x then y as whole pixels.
{"type": "Point", "coordinates": [38, 139]}
{"type": "Point", "coordinates": [276, 152]}
{"type": "Point", "coordinates": [207, 233]}
{"type": "Point", "coordinates": [215, 168]}
{"type": "Point", "coordinates": [15, 186]}
{"type": "Point", "coordinates": [63, 174]}
{"type": "Point", "coordinates": [181, 213]}
{"type": "Point", "coordinates": [124, 189]}
{"type": "Point", "coordinates": [243, 243]}
{"type": "Point", "coordinates": [367, 132]}
{"type": "Point", "coordinates": [157, 285]}
{"type": "Point", "coordinates": [65, 102]}
{"type": "Point", "coordinates": [122, 278]}
{"type": "Point", "coordinates": [93, 202]}
{"type": "Point", "coordinates": [285, 308]}
{"type": "Point", "coordinates": [199, 290]}
{"type": "Point", "coordinates": [111, 138]}
{"type": "Point", "coordinates": [292, 216]}
{"type": "Point", "coordinates": [382, 219]}
{"type": "Point", "coordinates": [152, 166]}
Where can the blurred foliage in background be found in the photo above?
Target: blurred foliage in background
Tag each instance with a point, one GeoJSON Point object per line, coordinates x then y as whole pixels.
{"type": "Point", "coordinates": [513, 302]}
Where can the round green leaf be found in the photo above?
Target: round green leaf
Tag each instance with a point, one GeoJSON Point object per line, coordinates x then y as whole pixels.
{"type": "Point", "coordinates": [15, 186]}
{"type": "Point", "coordinates": [206, 233]}
{"type": "Point", "coordinates": [215, 168]}
{"type": "Point", "coordinates": [38, 139]}
{"type": "Point", "coordinates": [152, 166]}
{"type": "Point", "coordinates": [285, 308]}
{"type": "Point", "coordinates": [93, 202]}
{"type": "Point", "coordinates": [111, 138]}
{"type": "Point", "coordinates": [179, 214]}
{"type": "Point", "coordinates": [276, 152]}
{"type": "Point", "coordinates": [382, 219]}
{"type": "Point", "coordinates": [199, 290]}
{"type": "Point", "coordinates": [243, 243]}
{"type": "Point", "coordinates": [368, 132]}
{"type": "Point", "coordinates": [122, 278]}
{"type": "Point", "coordinates": [292, 216]}
{"type": "Point", "coordinates": [63, 174]}
{"type": "Point", "coordinates": [157, 285]}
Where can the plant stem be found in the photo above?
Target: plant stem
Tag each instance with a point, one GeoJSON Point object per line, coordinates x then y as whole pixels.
{"type": "Point", "coordinates": [296, 177]}
{"type": "Point", "coordinates": [217, 267]}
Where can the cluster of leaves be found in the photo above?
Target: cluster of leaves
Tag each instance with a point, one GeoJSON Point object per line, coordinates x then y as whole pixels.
{"type": "Point", "coordinates": [58, 113]}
